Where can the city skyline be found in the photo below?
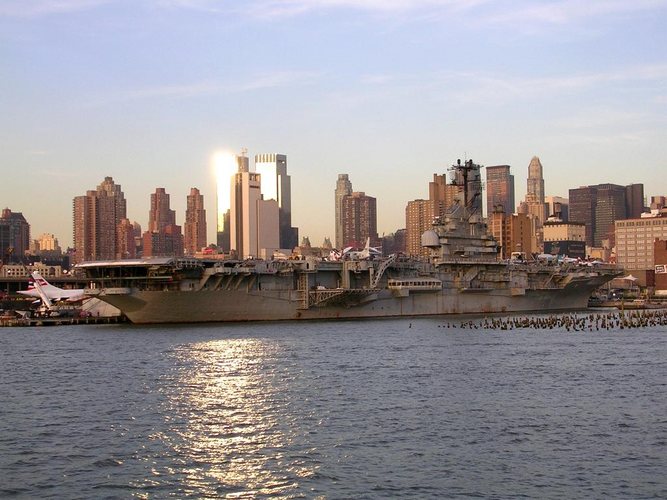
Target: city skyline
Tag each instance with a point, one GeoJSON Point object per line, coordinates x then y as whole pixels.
{"type": "Point", "coordinates": [149, 92]}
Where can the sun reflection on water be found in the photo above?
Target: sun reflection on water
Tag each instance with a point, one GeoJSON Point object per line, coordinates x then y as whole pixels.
{"type": "Point", "coordinates": [229, 420]}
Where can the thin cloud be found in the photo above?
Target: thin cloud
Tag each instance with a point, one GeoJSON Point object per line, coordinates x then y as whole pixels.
{"type": "Point", "coordinates": [211, 87]}
{"type": "Point", "coordinates": [569, 11]}
{"type": "Point", "coordinates": [34, 8]}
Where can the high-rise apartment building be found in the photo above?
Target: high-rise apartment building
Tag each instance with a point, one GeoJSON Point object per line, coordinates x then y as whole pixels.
{"type": "Point", "coordinates": [96, 217]}
{"type": "Point", "coordinates": [343, 188]}
{"type": "Point", "coordinates": [276, 185]}
{"type": "Point", "coordinates": [14, 236]}
{"type": "Point", "coordinates": [160, 214]}
{"type": "Point", "coordinates": [195, 223]}
{"type": "Point", "coordinates": [439, 190]}
{"type": "Point", "coordinates": [499, 189]}
{"type": "Point", "coordinates": [359, 214]}
{"type": "Point", "coordinates": [419, 217]}
{"type": "Point", "coordinates": [126, 247]}
{"type": "Point", "coordinates": [513, 232]}
{"type": "Point", "coordinates": [164, 237]}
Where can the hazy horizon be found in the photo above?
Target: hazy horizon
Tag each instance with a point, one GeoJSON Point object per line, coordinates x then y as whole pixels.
{"type": "Point", "coordinates": [389, 92]}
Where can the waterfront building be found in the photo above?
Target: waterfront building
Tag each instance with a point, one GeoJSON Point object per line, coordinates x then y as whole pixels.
{"type": "Point", "coordinates": [565, 238]}
{"type": "Point", "coordinates": [96, 216]}
{"type": "Point", "coordinates": [276, 185]}
{"type": "Point", "coordinates": [359, 214]}
{"type": "Point", "coordinates": [499, 188]}
{"type": "Point", "coordinates": [195, 223]}
{"type": "Point", "coordinates": [660, 269]}
{"type": "Point", "coordinates": [635, 242]}
{"type": "Point", "coordinates": [164, 237]}
{"type": "Point", "coordinates": [343, 188]}
{"type": "Point", "coordinates": [14, 236]}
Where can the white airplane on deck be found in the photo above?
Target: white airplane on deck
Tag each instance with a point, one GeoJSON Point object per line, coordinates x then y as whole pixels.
{"type": "Point", "coordinates": [367, 252]}
{"type": "Point", "coordinates": [48, 293]}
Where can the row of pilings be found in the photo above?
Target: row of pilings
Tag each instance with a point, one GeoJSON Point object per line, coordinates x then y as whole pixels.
{"type": "Point", "coordinates": [593, 321]}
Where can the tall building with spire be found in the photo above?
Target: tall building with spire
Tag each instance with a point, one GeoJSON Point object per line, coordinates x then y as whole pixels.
{"type": "Point", "coordinates": [343, 188]}
{"type": "Point", "coordinates": [195, 223]}
{"type": "Point", "coordinates": [276, 185]}
{"type": "Point", "coordinates": [164, 237]}
{"type": "Point", "coordinates": [535, 203]}
{"type": "Point", "coordinates": [499, 189]}
{"type": "Point", "coordinates": [96, 217]}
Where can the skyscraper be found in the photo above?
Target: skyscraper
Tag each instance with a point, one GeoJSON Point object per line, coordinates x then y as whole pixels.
{"type": "Point", "coordinates": [254, 222]}
{"type": "Point", "coordinates": [276, 185]}
{"type": "Point", "coordinates": [14, 236]}
{"type": "Point", "coordinates": [634, 201]}
{"type": "Point", "coordinates": [195, 223]}
{"type": "Point", "coordinates": [535, 191]}
{"type": "Point", "coordinates": [598, 207]}
{"type": "Point", "coordinates": [164, 237]}
{"type": "Point", "coordinates": [343, 188]}
{"type": "Point", "coordinates": [160, 215]}
{"type": "Point", "coordinates": [359, 214]}
{"type": "Point", "coordinates": [226, 166]}
{"type": "Point", "coordinates": [96, 217]}
{"type": "Point", "coordinates": [582, 209]}
{"type": "Point", "coordinates": [499, 189]}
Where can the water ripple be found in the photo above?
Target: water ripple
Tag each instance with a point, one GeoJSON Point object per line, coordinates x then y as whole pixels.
{"type": "Point", "coordinates": [376, 409]}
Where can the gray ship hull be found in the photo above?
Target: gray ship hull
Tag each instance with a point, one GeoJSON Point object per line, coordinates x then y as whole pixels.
{"type": "Point", "coordinates": [144, 307]}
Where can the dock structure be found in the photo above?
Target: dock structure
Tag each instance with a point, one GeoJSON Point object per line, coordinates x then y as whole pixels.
{"type": "Point", "coordinates": [91, 320]}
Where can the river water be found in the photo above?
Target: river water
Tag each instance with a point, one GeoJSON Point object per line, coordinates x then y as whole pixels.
{"type": "Point", "coordinates": [356, 409]}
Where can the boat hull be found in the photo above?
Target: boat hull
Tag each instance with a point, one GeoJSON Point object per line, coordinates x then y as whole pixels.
{"type": "Point", "coordinates": [144, 307]}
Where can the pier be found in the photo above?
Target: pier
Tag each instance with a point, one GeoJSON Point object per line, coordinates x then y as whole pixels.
{"type": "Point", "coordinates": [92, 320]}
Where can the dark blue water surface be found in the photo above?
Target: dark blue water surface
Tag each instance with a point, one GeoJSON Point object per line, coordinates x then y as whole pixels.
{"type": "Point", "coordinates": [369, 409]}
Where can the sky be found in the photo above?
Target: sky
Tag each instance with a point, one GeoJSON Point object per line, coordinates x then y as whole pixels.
{"type": "Point", "coordinates": [387, 91]}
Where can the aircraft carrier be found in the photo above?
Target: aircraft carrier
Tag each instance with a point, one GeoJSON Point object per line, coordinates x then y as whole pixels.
{"type": "Point", "coordinates": [463, 274]}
